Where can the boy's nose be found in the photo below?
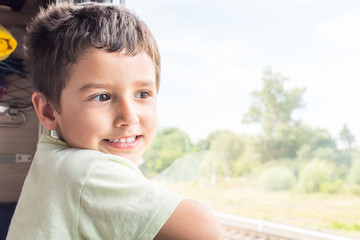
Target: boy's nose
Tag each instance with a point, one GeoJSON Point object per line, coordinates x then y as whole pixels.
{"type": "Point", "coordinates": [126, 114]}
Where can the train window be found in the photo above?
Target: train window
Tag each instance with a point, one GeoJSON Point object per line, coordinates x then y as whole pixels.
{"type": "Point", "coordinates": [257, 108]}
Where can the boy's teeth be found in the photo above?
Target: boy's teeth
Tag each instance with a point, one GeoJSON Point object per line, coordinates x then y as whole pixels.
{"type": "Point", "coordinates": [130, 140]}
{"type": "Point", "coordinates": [123, 140]}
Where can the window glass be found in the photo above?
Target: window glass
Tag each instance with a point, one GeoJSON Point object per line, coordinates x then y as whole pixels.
{"type": "Point", "coordinates": [257, 108]}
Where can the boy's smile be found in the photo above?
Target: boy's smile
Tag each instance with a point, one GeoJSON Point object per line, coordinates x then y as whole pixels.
{"type": "Point", "coordinates": [109, 104]}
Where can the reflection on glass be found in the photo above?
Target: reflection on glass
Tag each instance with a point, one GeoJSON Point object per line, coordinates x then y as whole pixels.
{"type": "Point", "coordinates": [258, 108]}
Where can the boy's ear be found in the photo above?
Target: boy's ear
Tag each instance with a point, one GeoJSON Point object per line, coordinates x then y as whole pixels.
{"type": "Point", "coordinates": [45, 112]}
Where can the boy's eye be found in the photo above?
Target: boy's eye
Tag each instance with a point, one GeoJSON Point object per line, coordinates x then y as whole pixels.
{"type": "Point", "coordinates": [102, 97]}
{"type": "Point", "coordinates": [143, 94]}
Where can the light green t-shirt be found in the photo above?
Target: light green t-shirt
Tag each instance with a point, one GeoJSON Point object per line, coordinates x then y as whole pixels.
{"type": "Point", "coordinates": [84, 194]}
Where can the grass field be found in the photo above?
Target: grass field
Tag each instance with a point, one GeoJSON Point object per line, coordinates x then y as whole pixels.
{"type": "Point", "coordinates": [333, 213]}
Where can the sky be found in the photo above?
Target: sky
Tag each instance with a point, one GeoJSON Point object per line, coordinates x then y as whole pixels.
{"type": "Point", "coordinates": [215, 52]}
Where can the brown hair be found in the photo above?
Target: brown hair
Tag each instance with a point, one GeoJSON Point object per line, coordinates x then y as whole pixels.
{"type": "Point", "coordinates": [58, 35]}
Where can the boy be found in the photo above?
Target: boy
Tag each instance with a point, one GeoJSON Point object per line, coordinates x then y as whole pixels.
{"type": "Point", "coordinates": [96, 73]}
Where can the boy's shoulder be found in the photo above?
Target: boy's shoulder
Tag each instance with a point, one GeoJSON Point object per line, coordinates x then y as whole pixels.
{"type": "Point", "coordinates": [86, 188]}
{"type": "Point", "coordinates": [73, 159]}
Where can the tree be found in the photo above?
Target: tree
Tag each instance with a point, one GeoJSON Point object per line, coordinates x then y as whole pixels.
{"type": "Point", "coordinates": [273, 105]}
{"type": "Point", "coordinates": [169, 145]}
{"type": "Point", "coordinates": [229, 147]}
{"type": "Point", "coordinates": [227, 142]}
{"type": "Point", "coordinates": [347, 137]}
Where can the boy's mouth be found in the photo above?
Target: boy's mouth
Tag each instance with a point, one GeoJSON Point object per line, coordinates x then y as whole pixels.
{"type": "Point", "coordinates": [124, 143]}
{"type": "Point", "coordinates": [123, 140]}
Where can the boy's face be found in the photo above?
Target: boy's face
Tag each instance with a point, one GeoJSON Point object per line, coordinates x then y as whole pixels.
{"type": "Point", "coordinates": [109, 104]}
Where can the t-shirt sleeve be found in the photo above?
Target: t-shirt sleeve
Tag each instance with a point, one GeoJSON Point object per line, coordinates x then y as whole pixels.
{"type": "Point", "coordinates": [118, 203]}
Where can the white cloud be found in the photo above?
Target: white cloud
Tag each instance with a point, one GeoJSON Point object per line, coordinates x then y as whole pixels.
{"type": "Point", "coordinates": [343, 29]}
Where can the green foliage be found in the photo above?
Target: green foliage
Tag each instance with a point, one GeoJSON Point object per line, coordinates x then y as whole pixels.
{"type": "Point", "coordinates": [304, 153]}
{"type": "Point", "coordinates": [273, 105]}
{"type": "Point", "coordinates": [287, 140]}
{"type": "Point", "coordinates": [277, 178]}
{"type": "Point", "coordinates": [286, 149]}
{"type": "Point", "coordinates": [241, 167]}
{"type": "Point", "coordinates": [283, 144]}
{"type": "Point", "coordinates": [203, 144]}
{"type": "Point", "coordinates": [229, 147]}
{"type": "Point", "coordinates": [344, 226]}
{"type": "Point", "coordinates": [325, 153]}
{"type": "Point", "coordinates": [319, 145]}
{"type": "Point", "coordinates": [331, 187]}
{"type": "Point", "coordinates": [228, 142]}
{"type": "Point", "coordinates": [315, 173]}
{"type": "Point", "coordinates": [352, 189]}
{"type": "Point", "coordinates": [288, 164]}
{"type": "Point", "coordinates": [347, 137]}
{"type": "Point", "coordinates": [320, 138]}
{"type": "Point", "coordinates": [282, 136]}
{"type": "Point", "coordinates": [248, 160]}
{"type": "Point", "coordinates": [314, 139]}
{"type": "Point", "coordinates": [169, 144]}
{"type": "Point", "coordinates": [354, 174]}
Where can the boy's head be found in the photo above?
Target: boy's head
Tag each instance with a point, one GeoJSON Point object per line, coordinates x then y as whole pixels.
{"type": "Point", "coordinates": [96, 73]}
{"type": "Point", "coordinates": [60, 34]}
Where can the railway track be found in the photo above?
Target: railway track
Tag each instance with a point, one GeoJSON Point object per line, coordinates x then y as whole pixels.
{"type": "Point", "coordinates": [241, 228]}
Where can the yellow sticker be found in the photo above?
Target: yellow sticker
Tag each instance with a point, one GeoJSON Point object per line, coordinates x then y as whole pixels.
{"type": "Point", "coordinates": [7, 43]}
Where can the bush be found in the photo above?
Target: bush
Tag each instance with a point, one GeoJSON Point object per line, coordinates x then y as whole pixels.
{"type": "Point", "coordinates": [276, 178]}
{"type": "Point", "coordinates": [247, 162]}
{"type": "Point", "coordinates": [343, 226]}
{"type": "Point", "coordinates": [241, 167]}
{"type": "Point", "coordinates": [353, 189]}
{"type": "Point", "coordinates": [326, 154]}
{"type": "Point", "coordinates": [316, 173]}
{"type": "Point", "coordinates": [304, 153]}
{"type": "Point", "coordinates": [169, 145]}
{"type": "Point", "coordinates": [331, 187]}
{"type": "Point", "coordinates": [354, 174]}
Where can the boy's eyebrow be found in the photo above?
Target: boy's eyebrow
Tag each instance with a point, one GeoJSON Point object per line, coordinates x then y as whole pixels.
{"type": "Point", "coordinates": [88, 86]}
{"type": "Point", "coordinates": [145, 83]}
{"type": "Point", "coordinates": [141, 83]}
